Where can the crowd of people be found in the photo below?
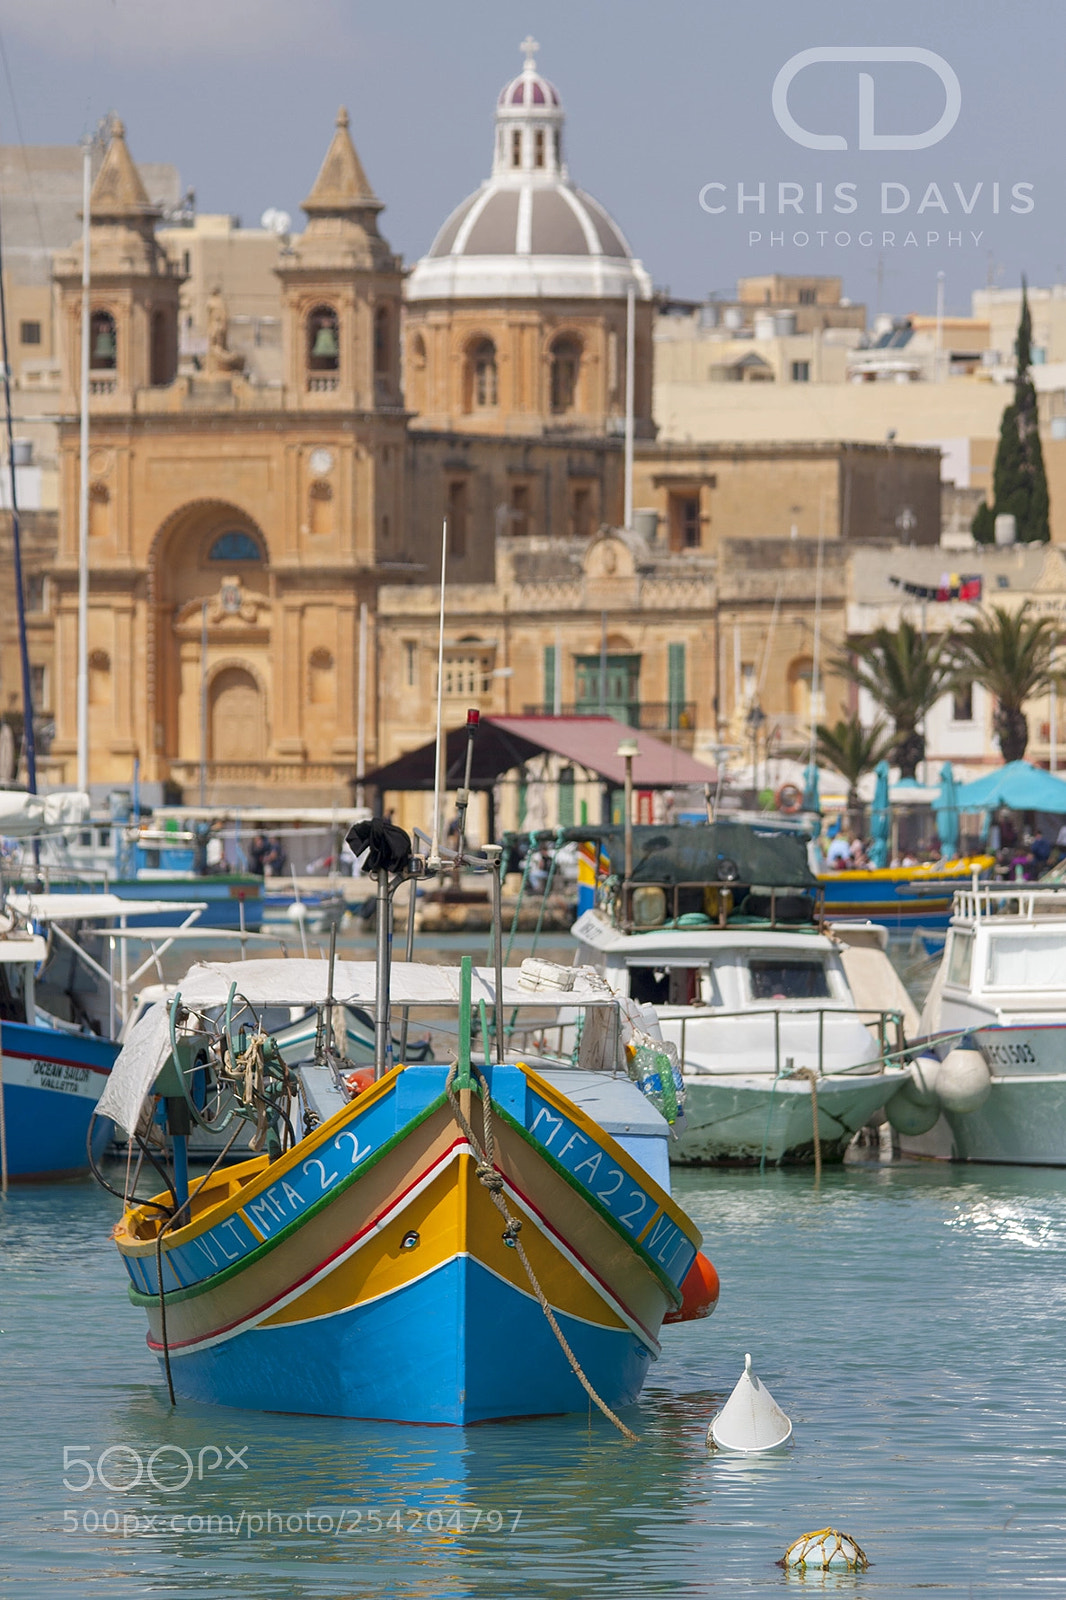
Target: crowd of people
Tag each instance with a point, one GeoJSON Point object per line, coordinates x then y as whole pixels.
{"type": "Point", "coordinates": [1020, 853]}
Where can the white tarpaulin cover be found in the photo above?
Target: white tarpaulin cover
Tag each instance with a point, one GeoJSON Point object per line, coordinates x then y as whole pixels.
{"type": "Point", "coordinates": [23, 815]}
{"type": "Point", "coordinates": [90, 907]}
{"type": "Point", "coordinates": [303, 983]}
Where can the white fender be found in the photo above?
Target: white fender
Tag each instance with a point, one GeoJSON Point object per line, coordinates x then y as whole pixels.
{"type": "Point", "coordinates": [964, 1081]}
{"type": "Point", "coordinates": [925, 1074]}
{"type": "Point", "coordinates": [909, 1115]}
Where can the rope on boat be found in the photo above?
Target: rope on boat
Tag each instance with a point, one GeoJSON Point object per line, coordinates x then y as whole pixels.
{"type": "Point", "coordinates": [490, 1176]}
{"type": "Point", "coordinates": [165, 1228]}
{"type": "Point", "coordinates": [812, 1078]}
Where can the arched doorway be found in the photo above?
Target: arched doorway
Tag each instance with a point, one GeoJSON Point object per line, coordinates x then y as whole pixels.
{"type": "Point", "coordinates": [236, 717]}
{"type": "Point", "coordinates": [209, 582]}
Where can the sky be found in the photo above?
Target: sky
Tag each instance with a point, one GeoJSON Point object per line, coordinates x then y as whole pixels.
{"type": "Point", "coordinates": [662, 102]}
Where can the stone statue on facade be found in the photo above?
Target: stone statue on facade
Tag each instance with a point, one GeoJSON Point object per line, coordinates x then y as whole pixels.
{"type": "Point", "coordinates": [220, 359]}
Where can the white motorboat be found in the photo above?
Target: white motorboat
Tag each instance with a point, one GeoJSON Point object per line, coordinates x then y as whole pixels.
{"type": "Point", "coordinates": [992, 1085]}
{"type": "Point", "coordinates": [752, 992]}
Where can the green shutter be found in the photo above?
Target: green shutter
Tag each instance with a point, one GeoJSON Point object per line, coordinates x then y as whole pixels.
{"type": "Point", "coordinates": [676, 682]}
{"type": "Point", "coordinates": [549, 678]}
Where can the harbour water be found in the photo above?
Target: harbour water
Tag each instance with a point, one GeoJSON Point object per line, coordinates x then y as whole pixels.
{"type": "Point", "coordinates": [908, 1318]}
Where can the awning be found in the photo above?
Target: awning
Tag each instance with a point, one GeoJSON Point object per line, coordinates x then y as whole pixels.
{"type": "Point", "coordinates": [1018, 785]}
{"type": "Point", "coordinates": [504, 743]}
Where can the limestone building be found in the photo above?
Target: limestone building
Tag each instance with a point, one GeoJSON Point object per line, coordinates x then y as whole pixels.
{"type": "Point", "coordinates": [254, 507]}
{"type": "Point", "coordinates": [248, 518]}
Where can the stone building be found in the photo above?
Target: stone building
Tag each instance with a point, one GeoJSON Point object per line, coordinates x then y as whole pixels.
{"type": "Point", "coordinates": [254, 519]}
{"type": "Point", "coordinates": [254, 507]}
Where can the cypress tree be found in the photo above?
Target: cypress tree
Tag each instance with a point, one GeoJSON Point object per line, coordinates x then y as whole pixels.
{"type": "Point", "coordinates": [1019, 485]}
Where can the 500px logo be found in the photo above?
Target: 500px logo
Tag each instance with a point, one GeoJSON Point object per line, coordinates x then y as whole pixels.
{"type": "Point", "coordinates": [167, 1467]}
{"type": "Point", "coordinates": [869, 138]}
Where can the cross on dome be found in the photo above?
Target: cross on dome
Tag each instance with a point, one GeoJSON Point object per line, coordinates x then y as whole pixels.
{"type": "Point", "coordinates": [529, 48]}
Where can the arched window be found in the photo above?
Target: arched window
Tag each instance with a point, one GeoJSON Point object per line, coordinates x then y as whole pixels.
{"type": "Point", "coordinates": [103, 342]}
{"type": "Point", "coordinates": [481, 376]}
{"type": "Point", "coordinates": [236, 545]}
{"type": "Point", "coordinates": [323, 340]}
{"type": "Point", "coordinates": [382, 354]}
{"type": "Point", "coordinates": [565, 370]}
{"type": "Point", "coordinates": [418, 353]}
{"type": "Point", "coordinates": [800, 690]}
{"type": "Point", "coordinates": [538, 148]}
{"type": "Point", "coordinates": [516, 147]}
{"type": "Point", "coordinates": [162, 350]}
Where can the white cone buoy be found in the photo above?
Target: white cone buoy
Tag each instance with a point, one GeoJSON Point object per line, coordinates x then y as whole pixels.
{"type": "Point", "coordinates": [751, 1419]}
{"type": "Point", "coordinates": [825, 1550]}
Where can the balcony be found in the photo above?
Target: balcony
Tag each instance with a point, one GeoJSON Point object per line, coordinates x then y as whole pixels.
{"type": "Point", "coordinates": [266, 781]}
{"type": "Point", "coordinates": [672, 721]}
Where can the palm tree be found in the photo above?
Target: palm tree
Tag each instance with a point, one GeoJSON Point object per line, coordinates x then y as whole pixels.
{"type": "Point", "coordinates": [853, 750]}
{"type": "Point", "coordinates": [1011, 655]}
{"type": "Point", "coordinates": [905, 674]}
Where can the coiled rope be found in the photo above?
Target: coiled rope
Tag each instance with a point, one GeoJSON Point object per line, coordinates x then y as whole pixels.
{"type": "Point", "coordinates": [491, 1178]}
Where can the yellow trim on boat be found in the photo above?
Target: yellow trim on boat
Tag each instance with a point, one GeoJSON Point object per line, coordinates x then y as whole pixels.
{"type": "Point", "coordinates": [621, 1158]}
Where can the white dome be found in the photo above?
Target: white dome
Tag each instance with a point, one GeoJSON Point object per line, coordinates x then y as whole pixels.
{"type": "Point", "coordinates": [528, 232]}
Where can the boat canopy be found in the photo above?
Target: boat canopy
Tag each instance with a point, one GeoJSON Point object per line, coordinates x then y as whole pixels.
{"type": "Point", "coordinates": [283, 982]}
{"type": "Point", "coordinates": [90, 907]}
{"type": "Point", "coordinates": [708, 852]}
{"type": "Point", "coordinates": [25, 816]}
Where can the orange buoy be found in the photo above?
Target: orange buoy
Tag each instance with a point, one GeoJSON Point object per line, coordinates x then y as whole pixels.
{"type": "Point", "coordinates": [355, 1082]}
{"type": "Point", "coordinates": [699, 1292]}
{"type": "Point", "coordinates": [789, 799]}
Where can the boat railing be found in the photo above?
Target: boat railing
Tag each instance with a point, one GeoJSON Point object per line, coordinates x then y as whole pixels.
{"type": "Point", "coordinates": [979, 901]}
{"type": "Point", "coordinates": [889, 1031]}
{"type": "Point", "coordinates": [721, 902]}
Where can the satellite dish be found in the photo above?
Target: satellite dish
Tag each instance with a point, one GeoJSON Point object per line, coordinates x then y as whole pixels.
{"type": "Point", "coordinates": [275, 221]}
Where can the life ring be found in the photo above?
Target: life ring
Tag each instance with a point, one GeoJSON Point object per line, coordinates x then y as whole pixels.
{"type": "Point", "coordinates": [789, 799]}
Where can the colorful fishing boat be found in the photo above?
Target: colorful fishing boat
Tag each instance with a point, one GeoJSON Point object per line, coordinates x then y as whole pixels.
{"type": "Point", "coordinates": [900, 898]}
{"type": "Point", "coordinates": [51, 1079]}
{"type": "Point", "coordinates": [435, 1242]}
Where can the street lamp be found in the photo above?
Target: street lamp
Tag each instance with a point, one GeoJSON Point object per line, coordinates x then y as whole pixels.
{"type": "Point", "coordinates": [627, 750]}
{"type": "Point", "coordinates": [755, 719]}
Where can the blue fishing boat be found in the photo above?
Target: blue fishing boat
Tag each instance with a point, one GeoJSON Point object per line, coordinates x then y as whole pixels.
{"type": "Point", "coordinates": [501, 1234]}
{"type": "Point", "coordinates": [899, 898]}
{"type": "Point", "coordinates": [51, 1079]}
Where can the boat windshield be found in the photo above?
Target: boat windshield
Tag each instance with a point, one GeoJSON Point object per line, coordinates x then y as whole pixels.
{"type": "Point", "coordinates": [1029, 961]}
{"type": "Point", "coordinates": [777, 978]}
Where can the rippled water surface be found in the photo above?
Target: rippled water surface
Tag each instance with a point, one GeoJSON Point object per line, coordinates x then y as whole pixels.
{"type": "Point", "coordinates": [909, 1319]}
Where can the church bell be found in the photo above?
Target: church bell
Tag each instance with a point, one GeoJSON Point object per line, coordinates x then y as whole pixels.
{"type": "Point", "coordinates": [325, 345]}
{"type": "Point", "coordinates": [104, 347]}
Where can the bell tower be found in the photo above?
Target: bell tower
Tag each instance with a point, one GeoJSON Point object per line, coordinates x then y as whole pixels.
{"type": "Point", "coordinates": [342, 294]}
{"type": "Point", "coordinates": [133, 304]}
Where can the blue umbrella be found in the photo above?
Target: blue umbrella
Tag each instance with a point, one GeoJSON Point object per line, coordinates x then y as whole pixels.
{"type": "Point", "coordinates": [1018, 785]}
{"type": "Point", "coordinates": [947, 812]}
{"type": "Point", "coordinates": [881, 818]}
{"type": "Point", "coordinates": [812, 800]}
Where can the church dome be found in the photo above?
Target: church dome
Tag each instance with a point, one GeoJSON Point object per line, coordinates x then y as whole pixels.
{"type": "Point", "coordinates": [528, 231]}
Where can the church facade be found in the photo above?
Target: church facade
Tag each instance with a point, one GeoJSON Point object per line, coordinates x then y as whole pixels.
{"type": "Point", "coordinates": [263, 557]}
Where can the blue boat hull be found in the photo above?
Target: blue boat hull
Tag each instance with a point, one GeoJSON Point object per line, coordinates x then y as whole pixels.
{"type": "Point", "coordinates": [224, 898]}
{"type": "Point", "coordinates": [52, 1081]}
{"type": "Point", "coordinates": [457, 1346]}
